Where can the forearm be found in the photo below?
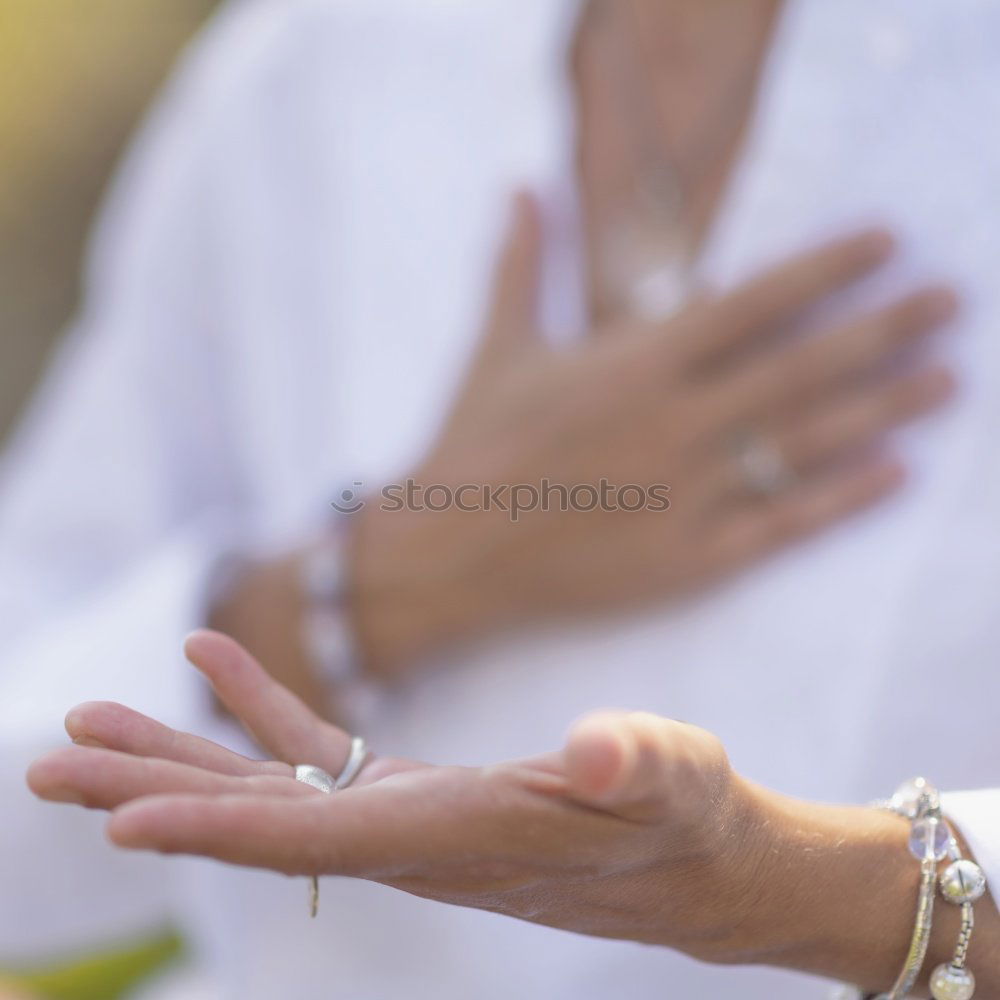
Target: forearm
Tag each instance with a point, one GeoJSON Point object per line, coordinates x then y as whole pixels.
{"type": "Point", "coordinates": [407, 597]}
{"type": "Point", "coordinates": [263, 610]}
{"type": "Point", "coordinates": [839, 894]}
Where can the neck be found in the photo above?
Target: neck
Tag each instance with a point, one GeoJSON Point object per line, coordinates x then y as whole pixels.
{"type": "Point", "coordinates": [696, 58]}
{"type": "Point", "coordinates": [665, 89]}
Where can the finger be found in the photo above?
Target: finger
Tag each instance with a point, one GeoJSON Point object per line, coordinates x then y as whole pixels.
{"type": "Point", "coordinates": [778, 296]}
{"type": "Point", "coordinates": [256, 831]}
{"type": "Point", "coordinates": [383, 829]}
{"type": "Point", "coordinates": [852, 423]}
{"type": "Point", "coordinates": [437, 830]}
{"type": "Point", "coordinates": [754, 532]}
{"type": "Point", "coordinates": [115, 727]}
{"type": "Point", "coordinates": [104, 779]}
{"type": "Point", "coordinates": [513, 315]}
{"type": "Point", "coordinates": [281, 723]}
{"type": "Point", "coordinates": [822, 364]}
{"type": "Point", "coordinates": [641, 766]}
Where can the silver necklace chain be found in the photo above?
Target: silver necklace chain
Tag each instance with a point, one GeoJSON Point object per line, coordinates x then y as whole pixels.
{"type": "Point", "coordinates": [646, 252]}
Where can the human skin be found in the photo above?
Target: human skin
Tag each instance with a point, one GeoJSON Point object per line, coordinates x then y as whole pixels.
{"type": "Point", "coordinates": [643, 404]}
{"type": "Point", "coordinates": [638, 829]}
{"type": "Point", "coordinates": [627, 403]}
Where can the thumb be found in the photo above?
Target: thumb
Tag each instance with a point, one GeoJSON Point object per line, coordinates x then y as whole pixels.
{"type": "Point", "coordinates": [512, 321]}
{"type": "Point", "coordinates": [641, 766]}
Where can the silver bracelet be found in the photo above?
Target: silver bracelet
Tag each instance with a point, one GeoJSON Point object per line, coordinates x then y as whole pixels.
{"type": "Point", "coordinates": [919, 802]}
{"type": "Point", "coordinates": [326, 631]}
{"type": "Point", "coordinates": [962, 884]}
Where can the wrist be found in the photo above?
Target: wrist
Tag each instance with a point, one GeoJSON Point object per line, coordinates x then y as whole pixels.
{"type": "Point", "coordinates": [731, 876]}
{"type": "Point", "coordinates": [412, 592]}
{"type": "Point", "coordinates": [262, 609]}
{"type": "Point", "coordinates": [832, 891]}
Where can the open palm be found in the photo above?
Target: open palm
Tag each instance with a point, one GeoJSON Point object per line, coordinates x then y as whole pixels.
{"type": "Point", "coordinates": [617, 835]}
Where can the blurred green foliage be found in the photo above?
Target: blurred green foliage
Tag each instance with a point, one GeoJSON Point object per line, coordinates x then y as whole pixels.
{"type": "Point", "coordinates": [109, 976]}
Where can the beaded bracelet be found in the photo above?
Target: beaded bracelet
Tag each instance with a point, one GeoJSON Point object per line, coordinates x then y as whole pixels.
{"type": "Point", "coordinates": [962, 883]}
{"type": "Point", "coordinates": [326, 632]}
{"type": "Point", "coordinates": [919, 802]}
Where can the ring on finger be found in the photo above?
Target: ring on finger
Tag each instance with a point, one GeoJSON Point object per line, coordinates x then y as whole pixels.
{"type": "Point", "coordinates": [324, 782]}
{"type": "Point", "coordinates": [761, 464]}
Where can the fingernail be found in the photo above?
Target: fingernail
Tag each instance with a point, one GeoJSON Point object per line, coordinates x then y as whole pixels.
{"type": "Point", "coordinates": [516, 210]}
{"type": "Point", "coordinates": [522, 208]}
{"type": "Point", "coordinates": [72, 720]}
{"type": "Point", "coordinates": [892, 473]}
{"type": "Point", "coordinates": [877, 244]}
{"type": "Point", "coordinates": [943, 378]}
{"type": "Point", "coordinates": [83, 740]}
{"type": "Point", "coordinates": [939, 304]}
{"type": "Point", "coordinates": [941, 384]}
{"type": "Point", "coordinates": [69, 795]}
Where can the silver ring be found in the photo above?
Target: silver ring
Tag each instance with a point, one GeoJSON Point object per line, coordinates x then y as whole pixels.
{"type": "Point", "coordinates": [355, 759]}
{"type": "Point", "coordinates": [324, 782]}
{"type": "Point", "coordinates": [761, 464]}
{"type": "Point", "coordinates": [315, 777]}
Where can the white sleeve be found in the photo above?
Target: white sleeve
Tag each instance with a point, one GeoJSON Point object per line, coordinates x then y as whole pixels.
{"type": "Point", "coordinates": [115, 498]}
{"type": "Point", "coordinates": [977, 815]}
{"type": "Point", "coordinates": [127, 438]}
{"type": "Point", "coordinates": [65, 889]}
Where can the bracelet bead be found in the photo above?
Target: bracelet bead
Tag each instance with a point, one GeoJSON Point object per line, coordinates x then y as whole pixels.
{"type": "Point", "coordinates": [963, 881]}
{"type": "Point", "coordinates": [930, 837]}
{"type": "Point", "coordinates": [948, 982]}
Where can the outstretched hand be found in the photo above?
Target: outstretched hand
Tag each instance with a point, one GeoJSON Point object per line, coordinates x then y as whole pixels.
{"type": "Point", "coordinates": [619, 835]}
{"type": "Point", "coordinates": [638, 829]}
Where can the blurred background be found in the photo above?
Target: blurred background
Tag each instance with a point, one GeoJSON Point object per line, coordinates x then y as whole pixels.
{"type": "Point", "coordinates": [75, 78]}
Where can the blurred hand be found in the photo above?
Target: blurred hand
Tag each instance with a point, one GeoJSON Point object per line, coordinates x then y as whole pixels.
{"type": "Point", "coordinates": [638, 830]}
{"type": "Point", "coordinates": [643, 405]}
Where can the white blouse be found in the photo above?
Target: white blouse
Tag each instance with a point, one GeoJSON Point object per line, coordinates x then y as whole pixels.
{"type": "Point", "coordinates": [306, 231]}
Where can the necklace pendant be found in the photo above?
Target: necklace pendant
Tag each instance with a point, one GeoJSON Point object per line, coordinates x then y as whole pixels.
{"type": "Point", "coordinates": [660, 292]}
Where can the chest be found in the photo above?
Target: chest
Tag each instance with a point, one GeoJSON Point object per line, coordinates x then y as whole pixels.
{"type": "Point", "coordinates": [381, 177]}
